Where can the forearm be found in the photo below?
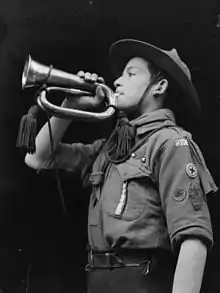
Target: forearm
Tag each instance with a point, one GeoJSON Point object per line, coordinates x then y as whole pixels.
{"type": "Point", "coordinates": [43, 143]}
{"type": "Point", "coordinates": [190, 267]}
{"type": "Point", "coordinates": [58, 127]}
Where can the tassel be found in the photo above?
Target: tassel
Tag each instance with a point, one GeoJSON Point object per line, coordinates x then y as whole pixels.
{"type": "Point", "coordinates": [121, 141]}
{"type": "Point", "coordinates": [27, 130]}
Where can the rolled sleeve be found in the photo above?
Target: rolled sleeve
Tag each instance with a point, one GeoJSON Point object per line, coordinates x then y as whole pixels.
{"type": "Point", "coordinates": [183, 184]}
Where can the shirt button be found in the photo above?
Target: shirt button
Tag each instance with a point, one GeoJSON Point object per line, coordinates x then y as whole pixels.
{"type": "Point", "coordinates": [143, 160]}
{"type": "Point", "coordinates": [133, 155]}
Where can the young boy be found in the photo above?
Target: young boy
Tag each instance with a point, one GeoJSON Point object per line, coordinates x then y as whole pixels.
{"type": "Point", "coordinates": [149, 179]}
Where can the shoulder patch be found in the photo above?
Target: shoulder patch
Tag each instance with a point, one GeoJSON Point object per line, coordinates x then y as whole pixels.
{"type": "Point", "coordinates": [191, 170]}
{"type": "Point", "coordinates": [181, 142]}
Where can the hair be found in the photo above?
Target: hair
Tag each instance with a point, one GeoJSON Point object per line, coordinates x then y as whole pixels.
{"type": "Point", "coordinates": [174, 93]}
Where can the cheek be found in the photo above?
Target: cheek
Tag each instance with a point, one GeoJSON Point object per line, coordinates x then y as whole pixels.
{"type": "Point", "coordinates": [133, 92]}
{"type": "Point", "coordinates": [137, 91]}
{"type": "Point", "coordinates": [131, 98]}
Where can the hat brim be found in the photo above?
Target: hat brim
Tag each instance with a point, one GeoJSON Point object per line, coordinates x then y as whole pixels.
{"type": "Point", "coordinates": [121, 51]}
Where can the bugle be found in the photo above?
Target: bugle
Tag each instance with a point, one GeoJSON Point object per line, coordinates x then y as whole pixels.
{"type": "Point", "coordinates": [53, 79]}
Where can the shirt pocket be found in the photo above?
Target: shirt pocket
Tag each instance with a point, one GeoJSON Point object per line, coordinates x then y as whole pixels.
{"type": "Point", "coordinates": [125, 192]}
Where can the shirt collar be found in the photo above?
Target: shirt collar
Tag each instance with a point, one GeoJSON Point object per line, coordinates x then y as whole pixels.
{"type": "Point", "coordinates": [150, 121]}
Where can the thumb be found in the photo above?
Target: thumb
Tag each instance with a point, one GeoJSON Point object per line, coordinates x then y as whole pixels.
{"type": "Point", "coordinates": [100, 92]}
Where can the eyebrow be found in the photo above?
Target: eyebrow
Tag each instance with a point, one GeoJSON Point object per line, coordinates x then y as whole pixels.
{"type": "Point", "coordinates": [132, 66]}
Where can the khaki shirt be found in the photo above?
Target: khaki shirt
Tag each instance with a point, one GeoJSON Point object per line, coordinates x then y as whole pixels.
{"type": "Point", "coordinates": [155, 199]}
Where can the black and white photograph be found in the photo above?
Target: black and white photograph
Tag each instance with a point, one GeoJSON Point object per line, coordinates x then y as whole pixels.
{"type": "Point", "coordinates": [110, 146]}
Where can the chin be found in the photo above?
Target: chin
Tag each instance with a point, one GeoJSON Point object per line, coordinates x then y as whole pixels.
{"type": "Point", "coordinates": [126, 104]}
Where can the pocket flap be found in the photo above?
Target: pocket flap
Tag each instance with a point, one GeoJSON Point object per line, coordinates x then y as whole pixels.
{"type": "Point", "coordinates": [133, 169]}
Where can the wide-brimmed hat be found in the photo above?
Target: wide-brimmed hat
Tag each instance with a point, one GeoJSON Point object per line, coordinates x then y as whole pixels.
{"type": "Point", "coordinates": [169, 61]}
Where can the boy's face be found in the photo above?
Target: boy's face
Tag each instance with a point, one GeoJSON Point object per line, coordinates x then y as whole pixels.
{"type": "Point", "coordinates": [131, 85]}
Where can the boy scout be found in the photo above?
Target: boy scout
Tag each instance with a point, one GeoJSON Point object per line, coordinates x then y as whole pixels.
{"type": "Point", "coordinates": [149, 227]}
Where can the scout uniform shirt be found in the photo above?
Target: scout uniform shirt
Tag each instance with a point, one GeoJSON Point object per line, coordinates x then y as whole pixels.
{"type": "Point", "coordinates": [156, 198]}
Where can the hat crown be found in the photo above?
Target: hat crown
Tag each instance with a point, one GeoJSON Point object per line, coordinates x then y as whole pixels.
{"type": "Point", "coordinates": [173, 54]}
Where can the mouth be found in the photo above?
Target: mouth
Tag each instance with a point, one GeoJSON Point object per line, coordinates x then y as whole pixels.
{"type": "Point", "coordinates": [117, 94]}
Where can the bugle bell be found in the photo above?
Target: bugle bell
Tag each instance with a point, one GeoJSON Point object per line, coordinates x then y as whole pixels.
{"type": "Point", "coordinates": [35, 74]}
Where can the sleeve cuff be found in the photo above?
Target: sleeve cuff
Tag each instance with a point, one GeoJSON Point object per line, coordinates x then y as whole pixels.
{"type": "Point", "coordinates": [200, 233]}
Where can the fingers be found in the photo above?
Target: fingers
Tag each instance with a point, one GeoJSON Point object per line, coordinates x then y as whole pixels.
{"type": "Point", "coordinates": [94, 77]}
{"type": "Point", "coordinates": [101, 79]}
{"type": "Point", "coordinates": [90, 77]}
{"type": "Point", "coordinates": [80, 74]}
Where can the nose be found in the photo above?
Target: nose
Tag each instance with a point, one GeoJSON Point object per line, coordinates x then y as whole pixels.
{"type": "Point", "coordinates": [117, 82]}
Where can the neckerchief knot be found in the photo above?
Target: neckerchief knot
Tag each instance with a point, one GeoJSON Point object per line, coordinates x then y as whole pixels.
{"type": "Point", "coordinates": [121, 141]}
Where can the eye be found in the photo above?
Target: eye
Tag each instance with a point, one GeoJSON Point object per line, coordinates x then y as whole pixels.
{"type": "Point", "coordinates": [131, 74]}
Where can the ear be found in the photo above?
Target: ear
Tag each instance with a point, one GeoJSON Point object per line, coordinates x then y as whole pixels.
{"type": "Point", "coordinates": [161, 87]}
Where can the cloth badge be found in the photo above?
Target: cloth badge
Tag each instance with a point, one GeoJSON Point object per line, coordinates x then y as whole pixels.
{"type": "Point", "coordinates": [191, 170]}
{"type": "Point", "coordinates": [195, 197]}
{"type": "Point", "coordinates": [179, 194]}
{"type": "Point", "coordinates": [181, 142]}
